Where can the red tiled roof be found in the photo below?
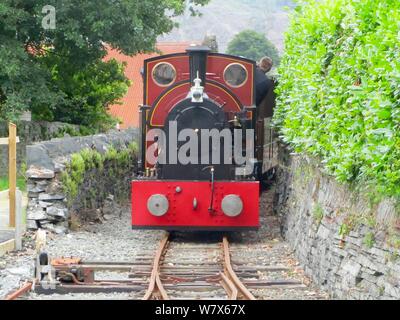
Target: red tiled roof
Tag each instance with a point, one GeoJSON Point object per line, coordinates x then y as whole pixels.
{"type": "Point", "coordinates": [128, 111]}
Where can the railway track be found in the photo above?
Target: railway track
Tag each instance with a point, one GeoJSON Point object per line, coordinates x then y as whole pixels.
{"type": "Point", "coordinates": [179, 269]}
{"type": "Point", "coordinates": [184, 270]}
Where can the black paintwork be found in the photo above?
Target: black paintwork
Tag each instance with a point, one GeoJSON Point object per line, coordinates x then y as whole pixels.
{"type": "Point", "coordinates": [196, 116]}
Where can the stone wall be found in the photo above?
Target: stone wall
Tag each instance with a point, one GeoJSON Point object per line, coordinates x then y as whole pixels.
{"type": "Point", "coordinates": [29, 132]}
{"type": "Point", "coordinates": [346, 243]}
{"type": "Point", "coordinates": [78, 177]}
{"type": "Point", "coordinates": [270, 150]}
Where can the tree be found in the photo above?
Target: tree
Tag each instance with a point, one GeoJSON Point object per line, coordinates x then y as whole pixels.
{"type": "Point", "coordinates": [58, 73]}
{"type": "Point", "coordinates": [253, 45]}
{"type": "Point", "coordinates": [87, 93]}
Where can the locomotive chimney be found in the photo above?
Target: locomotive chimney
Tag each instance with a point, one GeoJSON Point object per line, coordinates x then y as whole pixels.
{"type": "Point", "coordinates": [198, 63]}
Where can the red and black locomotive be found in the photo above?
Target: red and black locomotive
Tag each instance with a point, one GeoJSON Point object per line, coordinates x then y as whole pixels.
{"type": "Point", "coordinates": [198, 90]}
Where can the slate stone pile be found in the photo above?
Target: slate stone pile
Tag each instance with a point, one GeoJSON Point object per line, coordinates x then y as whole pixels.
{"type": "Point", "coordinates": [47, 208]}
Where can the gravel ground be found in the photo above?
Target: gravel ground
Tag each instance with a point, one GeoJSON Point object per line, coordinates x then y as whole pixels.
{"type": "Point", "coordinates": [111, 241]}
{"type": "Point", "coordinates": [114, 240]}
{"type": "Point", "coordinates": [14, 269]}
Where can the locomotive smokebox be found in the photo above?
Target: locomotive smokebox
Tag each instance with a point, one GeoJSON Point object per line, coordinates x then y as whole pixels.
{"type": "Point", "coordinates": [198, 62]}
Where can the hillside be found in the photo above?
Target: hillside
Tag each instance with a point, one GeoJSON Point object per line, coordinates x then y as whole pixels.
{"type": "Point", "coordinates": [227, 18]}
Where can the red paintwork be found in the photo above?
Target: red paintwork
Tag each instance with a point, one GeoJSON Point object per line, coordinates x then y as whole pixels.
{"type": "Point", "coordinates": [152, 90]}
{"type": "Point", "coordinates": [162, 107]}
{"type": "Point", "coordinates": [173, 96]}
{"type": "Point", "coordinates": [216, 64]}
{"type": "Point", "coordinates": [181, 212]}
{"type": "Point", "coordinates": [162, 99]}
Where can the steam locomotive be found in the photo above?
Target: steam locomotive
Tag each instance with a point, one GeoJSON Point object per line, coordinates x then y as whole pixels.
{"type": "Point", "coordinates": [201, 144]}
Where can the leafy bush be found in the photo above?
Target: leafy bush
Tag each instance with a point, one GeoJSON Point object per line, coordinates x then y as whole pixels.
{"type": "Point", "coordinates": [339, 89]}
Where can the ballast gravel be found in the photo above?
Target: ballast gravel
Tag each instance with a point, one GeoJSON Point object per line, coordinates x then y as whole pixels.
{"type": "Point", "coordinates": [114, 240]}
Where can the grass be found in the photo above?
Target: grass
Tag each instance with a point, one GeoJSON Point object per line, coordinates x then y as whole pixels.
{"type": "Point", "coordinates": [21, 184]}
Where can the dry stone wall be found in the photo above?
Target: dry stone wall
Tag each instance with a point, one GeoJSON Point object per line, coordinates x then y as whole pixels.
{"type": "Point", "coordinates": [55, 166]}
{"type": "Point", "coordinates": [346, 243]}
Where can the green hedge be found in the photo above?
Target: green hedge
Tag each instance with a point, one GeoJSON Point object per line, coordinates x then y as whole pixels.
{"type": "Point", "coordinates": [339, 89]}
